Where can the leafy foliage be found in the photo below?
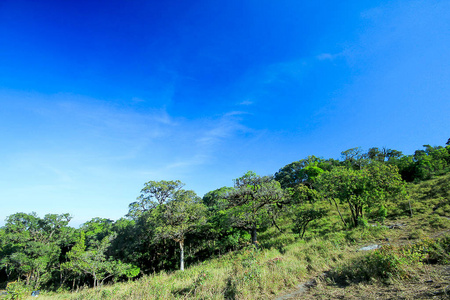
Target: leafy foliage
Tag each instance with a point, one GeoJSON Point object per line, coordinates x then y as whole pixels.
{"type": "Point", "coordinates": [253, 202]}
{"type": "Point", "coordinates": [362, 189]}
{"type": "Point", "coordinates": [304, 217]}
{"type": "Point", "coordinates": [94, 261]}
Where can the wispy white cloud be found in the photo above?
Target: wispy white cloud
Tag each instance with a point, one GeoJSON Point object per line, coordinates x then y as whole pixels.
{"type": "Point", "coordinates": [236, 113]}
{"type": "Point", "coordinates": [218, 130]}
{"type": "Point", "coordinates": [246, 102]}
{"type": "Point", "coordinates": [85, 150]}
{"type": "Point", "coordinates": [192, 161]}
{"type": "Point", "coordinates": [328, 56]}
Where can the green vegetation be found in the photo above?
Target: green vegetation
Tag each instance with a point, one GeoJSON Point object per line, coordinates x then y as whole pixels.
{"type": "Point", "coordinates": [254, 240]}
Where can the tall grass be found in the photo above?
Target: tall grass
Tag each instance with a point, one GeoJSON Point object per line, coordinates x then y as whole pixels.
{"type": "Point", "coordinates": [394, 262]}
{"type": "Point", "coordinates": [251, 273]}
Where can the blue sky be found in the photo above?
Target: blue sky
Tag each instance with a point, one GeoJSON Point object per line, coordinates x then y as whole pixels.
{"type": "Point", "coordinates": [99, 97]}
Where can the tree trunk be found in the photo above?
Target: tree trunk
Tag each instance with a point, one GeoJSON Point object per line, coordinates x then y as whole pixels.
{"type": "Point", "coordinates": [410, 208]}
{"type": "Point", "coordinates": [354, 211]}
{"type": "Point", "coordinates": [38, 278]}
{"type": "Point", "coordinates": [8, 273]}
{"type": "Point", "coordinates": [181, 255]}
{"type": "Point", "coordinates": [304, 225]}
{"type": "Point", "coordinates": [339, 211]}
{"type": "Point", "coordinates": [95, 280]}
{"type": "Point", "coordinates": [254, 241]}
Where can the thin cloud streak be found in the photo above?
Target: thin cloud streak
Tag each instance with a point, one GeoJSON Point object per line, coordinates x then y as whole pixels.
{"type": "Point", "coordinates": [97, 145]}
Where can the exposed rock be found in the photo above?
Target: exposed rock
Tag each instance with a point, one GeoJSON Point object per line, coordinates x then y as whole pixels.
{"type": "Point", "coordinates": [396, 226]}
{"type": "Point", "coordinates": [370, 247]}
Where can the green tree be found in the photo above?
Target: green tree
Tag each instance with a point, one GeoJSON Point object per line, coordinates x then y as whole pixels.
{"type": "Point", "coordinates": [361, 189]}
{"type": "Point", "coordinates": [304, 216]}
{"type": "Point", "coordinates": [253, 202]}
{"type": "Point", "coordinates": [303, 171]}
{"type": "Point", "coordinates": [219, 234]}
{"type": "Point", "coordinates": [94, 261]}
{"type": "Point", "coordinates": [354, 158]}
{"type": "Point", "coordinates": [153, 194]}
{"type": "Point", "coordinates": [167, 211]}
{"type": "Point", "coordinates": [31, 246]}
{"type": "Point", "coordinates": [125, 245]}
{"type": "Point", "coordinates": [174, 219]}
{"type": "Point", "coordinates": [406, 167]}
{"type": "Point", "coordinates": [303, 206]}
{"type": "Point", "coordinates": [97, 229]}
{"type": "Point", "coordinates": [383, 154]}
{"type": "Point", "coordinates": [217, 200]}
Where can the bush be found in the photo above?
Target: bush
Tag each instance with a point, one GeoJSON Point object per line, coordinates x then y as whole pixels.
{"type": "Point", "coordinates": [436, 221]}
{"type": "Point", "coordinates": [17, 290]}
{"type": "Point", "coordinates": [434, 251]}
{"type": "Point", "coordinates": [416, 234]}
{"type": "Point", "coordinates": [382, 213]}
{"type": "Point", "coordinates": [443, 210]}
{"type": "Point", "coordinates": [384, 263]}
{"type": "Point", "coordinates": [363, 222]}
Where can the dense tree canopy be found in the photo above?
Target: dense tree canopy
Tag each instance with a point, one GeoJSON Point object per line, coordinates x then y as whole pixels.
{"type": "Point", "coordinates": [361, 189]}
{"type": "Point", "coordinates": [178, 217]}
{"type": "Point", "coordinates": [253, 202]}
{"type": "Point", "coordinates": [303, 171]}
{"type": "Point", "coordinates": [154, 193]}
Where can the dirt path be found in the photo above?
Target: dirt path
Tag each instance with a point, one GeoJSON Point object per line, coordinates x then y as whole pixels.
{"type": "Point", "coordinates": [299, 289]}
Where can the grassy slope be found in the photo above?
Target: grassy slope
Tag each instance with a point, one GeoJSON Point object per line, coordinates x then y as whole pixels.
{"type": "Point", "coordinates": [430, 202]}
{"type": "Point", "coordinates": [276, 270]}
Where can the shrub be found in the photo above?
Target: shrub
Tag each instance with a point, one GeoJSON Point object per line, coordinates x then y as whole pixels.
{"type": "Point", "coordinates": [17, 290]}
{"type": "Point", "coordinates": [384, 263]}
{"type": "Point", "coordinates": [438, 222]}
{"type": "Point", "coordinates": [416, 234]}
{"type": "Point", "coordinates": [382, 213]}
{"type": "Point", "coordinates": [434, 251]}
{"type": "Point", "coordinates": [363, 222]}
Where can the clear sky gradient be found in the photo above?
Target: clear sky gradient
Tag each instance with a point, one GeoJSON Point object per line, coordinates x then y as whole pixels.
{"type": "Point", "coordinates": [99, 97]}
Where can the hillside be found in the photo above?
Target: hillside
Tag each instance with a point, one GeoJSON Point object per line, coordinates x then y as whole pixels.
{"type": "Point", "coordinates": [413, 262]}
